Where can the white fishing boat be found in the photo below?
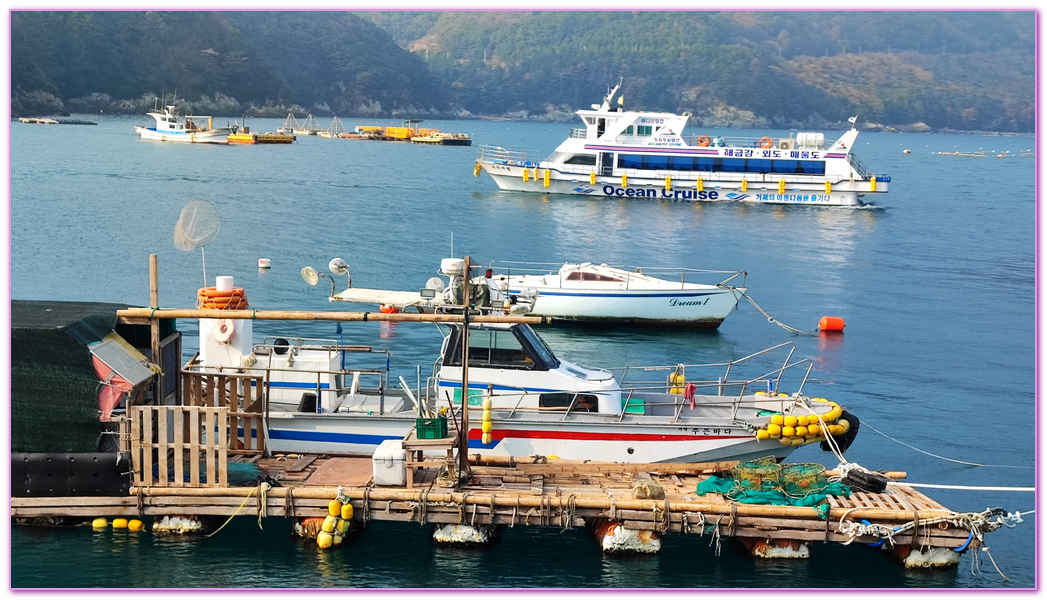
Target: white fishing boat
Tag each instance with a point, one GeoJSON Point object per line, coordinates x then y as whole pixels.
{"type": "Point", "coordinates": [289, 126]}
{"type": "Point", "coordinates": [635, 154]}
{"type": "Point", "coordinates": [335, 130]}
{"type": "Point", "coordinates": [322, 396]}
{"type": "Point", "coordinates": [571, 291]}
{"type": "Point", "coordinates": [195, 129]}
{"type": "Point", "coordinates": [590, 292]}
{"type": "Point", "coordinates": [310, 127]}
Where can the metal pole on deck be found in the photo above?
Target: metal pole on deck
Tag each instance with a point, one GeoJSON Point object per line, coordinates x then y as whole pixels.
{"type": "Point", "coordinates": [463, 449]}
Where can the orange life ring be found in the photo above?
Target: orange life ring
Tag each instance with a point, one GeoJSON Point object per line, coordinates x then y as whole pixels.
{"type": "Point", "coordinates": [766, 142]}
{"type": "Point", "coordinates": [703, 141]}
{"type": "Point", "coordinates": [224, 331]}
{"type": "Point", "coordinates": [210, 297]}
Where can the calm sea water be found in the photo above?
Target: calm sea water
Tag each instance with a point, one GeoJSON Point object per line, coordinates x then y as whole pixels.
{"type": "Point", "coordinates": [937, 286]}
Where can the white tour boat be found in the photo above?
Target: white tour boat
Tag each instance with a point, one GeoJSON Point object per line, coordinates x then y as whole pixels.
{"type": "Point", "coordinates": [324, 397]}
{"type": "Point", "coordinates": [603, 293]}
{"type": "Point", "coordinates": [583, 292]}
{"type": "Point", "coordinates": [194, 129]}
{"type": "Point", "coordinates": [636, 154]}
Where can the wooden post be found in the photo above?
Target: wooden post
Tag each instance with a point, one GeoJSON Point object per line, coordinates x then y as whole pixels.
{"type": "Point", "coordinates": [463, 451]}
{"type": "Point", "coordinates": [154, 326]}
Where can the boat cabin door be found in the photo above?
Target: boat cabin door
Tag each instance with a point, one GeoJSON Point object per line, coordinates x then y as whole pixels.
{"type": "Point", "coordinates": [607, 163]}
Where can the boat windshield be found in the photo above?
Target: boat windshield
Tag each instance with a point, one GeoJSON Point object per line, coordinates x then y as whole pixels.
{"type": "Point", "coordinates": [545, 355]}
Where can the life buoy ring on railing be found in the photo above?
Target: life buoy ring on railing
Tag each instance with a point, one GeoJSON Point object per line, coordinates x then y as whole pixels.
{"type": "Point", "coordinates": [766, 142]}
{"type": "Point", "coordinates": [703, 141]}
{"type": "Point", "coordinates": [234, 299]}
{"type": "Point", "coordinates": [223, 332]}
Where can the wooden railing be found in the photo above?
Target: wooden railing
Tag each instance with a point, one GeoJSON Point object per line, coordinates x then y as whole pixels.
{"type": "Point", "coordinates": [243, 396]}
{"type": "Point", "coordinates": [179, 446]}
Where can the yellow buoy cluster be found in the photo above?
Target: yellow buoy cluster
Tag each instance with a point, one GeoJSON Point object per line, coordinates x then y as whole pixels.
{"type": "Point", "coordinates": [804, 429]}
{"type": "Point", "coordinates": [745, 185]}
{"type": "Point", "coordinates": [668, 183]}
{"type": "Point", "coordinates": [485, 422]}
{"type": "Point", "coordinates": [699, 185]}
{"type": "Point", "coordinates": [121, 523]}
{"type": "Point", "coordinates": [526, 174]}
{"type": "Point", "coordinates": [592, 178]}
{"type": "Point", "coordinates": [476, 170]}
{"type": "Point", "coordinates": [546, 177]}
{"type": "Point", "coordinates": [335, 524]}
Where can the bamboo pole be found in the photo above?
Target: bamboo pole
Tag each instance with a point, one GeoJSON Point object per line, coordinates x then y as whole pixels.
{"type": "Point", "coordinates": [463, 438]}
{"type": "Point", "coordinates": [154, 327]}
{"type": "Point", "coordinates": [292, 315]}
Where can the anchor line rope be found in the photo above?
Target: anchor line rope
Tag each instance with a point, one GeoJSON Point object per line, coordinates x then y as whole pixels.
{"type": "Point", "coordinates": [983, 488]}
{"type": "Point", "coordinates": [772, 319]}
{"type": "Point", "coordinates": [962, 462]}
{"type": "Point", "coordinates": [242, 505]}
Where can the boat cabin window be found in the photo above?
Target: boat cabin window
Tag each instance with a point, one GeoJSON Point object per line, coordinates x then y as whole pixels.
{"type": "Point", "coordinates": [722, 165]}
{"type": "Point", "coordinates": [582, 402]}
{"type": "Point", "coordinates": [581, 159]}
{"type": "Point", "coordinates": [644, 130]}
{"type": "Point", "coordinates": [628, 130]}
{"type": "Point", "coordinates": [500, 349]}
{"type": "Point", "coordinates": [585, 276]}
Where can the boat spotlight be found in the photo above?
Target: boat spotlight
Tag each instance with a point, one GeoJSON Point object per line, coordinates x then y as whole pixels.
{"type": "Point", "coordinates": [312, 277]}
{"type": "Point", "coordinates": [340, 267]}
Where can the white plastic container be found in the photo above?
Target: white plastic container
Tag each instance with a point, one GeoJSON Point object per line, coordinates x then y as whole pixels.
{"type": "Point", "coordinates": [388, 463]}
{"type": "Point", "coordinates": [452, 267]}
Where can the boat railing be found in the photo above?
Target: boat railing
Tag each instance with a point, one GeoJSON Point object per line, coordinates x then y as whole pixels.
{"type": "Point", "coordinates": [578, 134]}
{"type": "Point", "coordinates": [499, 155]}
{"type": "Point", "coordinates": [722, 382]}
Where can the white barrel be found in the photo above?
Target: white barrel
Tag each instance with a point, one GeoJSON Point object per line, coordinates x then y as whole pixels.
{"type": "Point", "coordinates": [224, 283]}
{"type": "Point", "coordinates": [452, 266]}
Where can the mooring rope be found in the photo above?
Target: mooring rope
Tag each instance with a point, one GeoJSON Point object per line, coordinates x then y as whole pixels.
{"type": "Point", "coordinates": [962, 462]}
{"type": "Point", "coordinates": [772, 319]}
{"type": "Point", "coordinates": [242, 505]}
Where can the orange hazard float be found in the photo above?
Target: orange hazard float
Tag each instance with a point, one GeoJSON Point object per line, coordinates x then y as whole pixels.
{"type": "Point", "coordinates": [766, 142]}
{"type": "Point", "coordinates": [703, 141]}
{"type": "Point", "coordinates": [210, 297]}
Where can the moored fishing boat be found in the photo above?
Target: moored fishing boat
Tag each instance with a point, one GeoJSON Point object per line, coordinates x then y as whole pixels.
{"type": "Point", "coordinates": [310, 127]}
{"type": "Point", "coordinates": [289, 125]}
{"type": "Point", "coordinates": [170, 127]}
{"type": "Point", "coordinates": [335, 130]}
{"type": "Point", "coordinates": [323, 396]}
{"type": "Point", "coordinates": [636, 154]}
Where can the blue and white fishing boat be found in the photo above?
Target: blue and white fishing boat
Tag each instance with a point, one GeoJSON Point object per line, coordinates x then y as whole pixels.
{"type": "Point", "coordinates": [636, 154]}
{"type": "Point", "coordinates": [192, 129]}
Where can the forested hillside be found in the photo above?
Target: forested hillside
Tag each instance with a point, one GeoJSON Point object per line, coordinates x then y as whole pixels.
{"type": "Point", "coordinates": [942, 70]}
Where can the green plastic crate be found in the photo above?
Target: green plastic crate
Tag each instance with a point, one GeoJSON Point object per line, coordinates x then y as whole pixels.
{"type": "Point", "coordinates": [431, 429]}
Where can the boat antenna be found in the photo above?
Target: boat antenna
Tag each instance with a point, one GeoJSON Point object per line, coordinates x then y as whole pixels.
{"type": "Point", "coordinates": [452, 244]}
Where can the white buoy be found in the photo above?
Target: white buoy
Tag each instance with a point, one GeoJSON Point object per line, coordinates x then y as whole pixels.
{"type": "Point", "coordinates": [264, 263]}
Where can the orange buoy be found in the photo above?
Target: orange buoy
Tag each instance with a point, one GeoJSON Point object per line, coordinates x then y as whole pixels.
{"type": "Point", "coordinates": [388, 309]}
{"type": "Point", "coordinates": [831, 324]}
{"type": "Point", "coordinates": [210, 297]}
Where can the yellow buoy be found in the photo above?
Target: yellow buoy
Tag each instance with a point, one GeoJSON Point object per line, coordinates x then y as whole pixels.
{"type": "Point", "coordinates": [625, 180]}
{"type": "Point", "coordinates": [814, 429]}
{"type": "Point", "coordinates": [669, 183]}
{"type": "Point", "coordinates": [525, 174]}
{"type": "Point", "coordinates": [788, 431]}
{"type": "Point", "coordinates": [486, 416]}
{"type": "Point", "coordinates": [324, 539]}
{"type": "Point", "coordinates": [801, 431]}
{"type": "Point", "coordinates": [785, 441]}
{"type": "Point", "coordinates": [336, 539]}
{"type": "Point", "coordinates": [699, 185]}
{"type": "Point", "coordinates": [330, 522]}
{"type": "Point", "coordinates": [135, 525]}
{"type": "Point", "coordinates": [592, 178]}
{"type": "Point", "coordinates": [119, 523]}
{"type": "Point", "coordinates": [796, 441]}
{"type": "Point", "coordinates": [778, 419]}
{"type": "Point", "coordinates": [553, 456]}
{"type": "Point", "coordinates": [745, 185]}
{"type": "Point", "coordinates": [100, 523]}
{"type": "Point", "coordinates": [791, 421]}
{"type": "Point", "coordinates": [828, 187]}
{"type": "Point", "coordinates": [872, 184]}
{"type": "Point", "coordinates": [485, 427]}
{"type": "Point", "coordinates": [343, 525]}
{"type": "Point", "coordinates": [774, 430]}
{"type": "Point", "coordinates": [347, 511]}
{"type": "Point", "coordinates": [486, 404]}
{"type": "Point", "coordinates": [485, 438]}
{"type": "Point", "coordinates": [334, 508]}
{"type": "Point", "coordinates": [803, 420]}
{"type": "Point", "coordinates": [781, 186]}
{"type": "Point", "coordinates": [762, 434]}
{"type": "Point", "coordinates": [545, 178]}
{"type": "Point", "coordinates": [476, 170]}
{"type": "Point", "coordinates": [845, 426]}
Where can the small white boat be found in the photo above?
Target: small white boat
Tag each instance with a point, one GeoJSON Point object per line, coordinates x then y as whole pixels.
{"type": "Point", "coordinates": [326, 397]}
{"type": "Point", "coordinates": [590, 292]}
{"type": "Point", "coordinates": [194, 129]}
{"type": "Point", "coordinates": [574, 291]}
{"type": "Point", "coordinates": [637, 154]}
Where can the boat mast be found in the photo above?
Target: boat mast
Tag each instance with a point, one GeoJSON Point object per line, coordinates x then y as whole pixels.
{"type": "Point", "coordinates": [463, 433]}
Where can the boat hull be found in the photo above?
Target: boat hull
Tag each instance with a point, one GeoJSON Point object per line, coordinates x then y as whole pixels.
{"type": "Point", "coordinates": [844, 193]}
{"type": "Point", "coordinates": [694, 308]}
{"type": "Point", "coordinates": [211, 136]}
{"type": "Point", "coordinates": [602, 438]}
